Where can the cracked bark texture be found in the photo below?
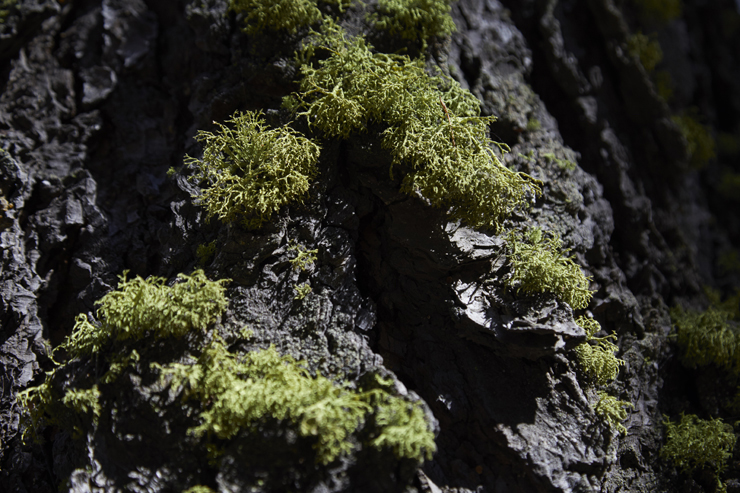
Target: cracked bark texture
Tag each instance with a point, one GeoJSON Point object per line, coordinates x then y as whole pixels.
{"type": "Point", "coordinates": [101, 97]}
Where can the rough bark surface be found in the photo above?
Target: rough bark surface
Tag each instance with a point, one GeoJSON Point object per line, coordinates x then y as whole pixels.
{"type": "Point", "coordinates": [99, 98]}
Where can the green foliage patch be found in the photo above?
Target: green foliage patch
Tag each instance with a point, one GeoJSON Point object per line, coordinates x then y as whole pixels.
{"type": "Point", "coordinates": [598, 360]}
{"type": "Point", "coordinates": [694, 443]}
{"type": "Point", "coordinates": [699, 138]}
{"type": "Point", "coordinates": [251, 171]}
{"type": "Point", "coordinates": [434, 129]}
{"type": "Point", "coordinates": [276, 15]}
{"type": "Point", "coordinates": [540, 265]}
{"type": "Point", "coordinates": [414, 19]}
{"type": "Point", "coordinates": [646, 49]}
{"type": "Point", "coordinates": [612, 410]}
{"type": "Point", "coordinates": [139, 308]}
{"type": "Point", "coordinates": [244, 394]}
{"type": "Point", "coordinates": [304, 258]}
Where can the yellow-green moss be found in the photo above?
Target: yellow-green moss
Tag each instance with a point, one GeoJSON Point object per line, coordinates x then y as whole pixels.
{"type": "Point", "coordinates": [243, 394]}
{"type": "Point", "coordinates": [694, 443]}
{"type": "Point", "coordinates": [414, 19]}
{"type": "Point", "coordinates": [302, 290]}
{"type": "Point", "coordinates": [139, 308]}
{"type": "Point", "coordinates": [276, 15]}
{"type": "Point", "coordinates": [646, 49]}
{"type": "Point", "coordinates": [304, 258]}
{"type": "Point", "coordinates": [612, 410]}
{"type": "Point", "coordinates": [598, 360]}
{"type": "Point", "coordinates": [434, 132]}
{"type": "Point", "coordinates": [699, 138]}
{"type": "Point", "coordinates": [249, 171]}
{"type": "Point", "coordinates": [540, 265]}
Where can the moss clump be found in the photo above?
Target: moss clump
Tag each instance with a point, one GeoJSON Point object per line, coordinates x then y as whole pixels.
{"type": "Point", "coordinates": [646, 49]}
{"type": "Point", "coordinates": [148, 307]}
{"type": "Point", "coordinates": [414, 19]}
{"type": "Point", "coordinates": [139, 308]}
{"type": "Point", "coordinates": [613, 411]}
{"type": "Point", "coordinates": [598, 360]}
{"type": "Point", "coordinates": [6, 6]}
{"type": "Point", "coordinates": [662, 10]}
{"type": "Point", "coordinates": [694, 443]}
{"type": "Point", "coordinates": [304, 258]}
{"type": "Point", "coordinates": [245, 394]}
{"type": "Point", "coordinates": [698, 137]}
{"type": "Point", "coordinates": [302, 290]}
{"type": "Point", "coordinates": [540, 265]}
{"type": "Point", "coordinates": [276, 15]}
{"type": "Point", "coordinates": [251, 171]}
{"type": "Point", "coordinates": [707, 338]}
{"type": "Point", "coordinates": [434, 131]}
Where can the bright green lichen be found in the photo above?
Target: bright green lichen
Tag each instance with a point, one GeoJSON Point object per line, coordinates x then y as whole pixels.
{"type": "Point", "coordinates": [276, 15]}
{"type": "Point", "coordinates": [612, 410]}
{"type": "Point", "coordinates": [539, 265]}
{"type": "Point", "coordinates": [245, 394]}
{"type": "Point", "coordinates": [250, 171]}
{"type": "Point", "coordinates": [598, 360]}
{"type": "Point", "coordinates": [5, 8]}
{"type": "Point", "coordinates": [434, 131]}
{"type": "Point", "coordinates": [139, 308]}
{"type": "Point", "coordinates": [699, 139]}
{"type": "Point", "coordinates": [694, 443]}
{"type": "Point", "coordinates": [646, 49]}
{"type": "Point", "coordinates": [414, 19]}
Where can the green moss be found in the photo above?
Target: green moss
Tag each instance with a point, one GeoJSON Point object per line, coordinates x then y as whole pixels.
{"type": "Point", "coordinates": [613, 411]}
{"type": "Point", "coordinates": [414, 19]}
{"type": "Point", "coordinates": [707, 338]}
{"type": "Point", "coordinates": [662, 10]}
{"type": "Point", "coordinates": [302, 290]}
{"type": "Point", "coordinates": [205, 253]}
{"type": "Point", "coordinates": [250, 171]}
{"type": "Point", "coordinates": [694, 444]}
{"type": "Point", "coordinates": [646, 49]}
{"type": "Point", "coordinates": [699, 138]}
{"type": "Point", "coordinates": [533, 124]}
{"type": "Point", "coordinates": [276, 15]}
{"type": "Point", "coordinates": [6, 7]}
{"type": "Point", "coordinates": [304, 258]}
{"type": "Point", "coordinates": [247, 394]}
{"type": "Point", "coordinates": [539, 265]}
{"type": "Point", "coordinates": [598, 360]}
{"type": "Point", "coordinates": [199, 489]}
{"type": "Point", "coordinates": [434, 131]}
{"type": "Point", "coordinates": [564, 164]}
{"type": "Point", "coordinates": [148, 307]}
{"type": "Point", "coordinates": [139, 308]}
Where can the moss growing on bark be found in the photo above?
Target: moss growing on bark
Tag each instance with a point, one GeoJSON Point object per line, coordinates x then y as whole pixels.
{"type": "Point", "coordinates": [276, 15]}
{"type": "Point", "coordinates": [598, 360]}
{"type": "Point", "coordinates": [699, 138]}
{"type": "Point", "coordinates": [414, 19]}
{"type": "Point", "coordinates": [250, 171]}
{"type": "Point", "coordinates": [693, 444]}
{"type": "Point", "coordinates": [646, 49]}
{"type": "Point", "coordinates": [612, 410]}
{"type": "Point", "coordinates": [247, 394]}
{"type": "Point", "coordinates": [434, 132]}
{"type": "Point", "coordinates": [540, 265]}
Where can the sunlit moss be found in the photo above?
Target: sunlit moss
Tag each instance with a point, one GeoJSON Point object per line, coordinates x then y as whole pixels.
{"type": "Point", "coordinates": [304, 258]}
{"type": "Point", "coordinates": [243, 394]}
{"type": "Point", "coordinates": [276, 15]}
{"type": "Point", "coordinates": [434, 132]}
{"type": "Point", "coordinates": [612, 410]}
{"type": "Point", "coordinates": [540, 265]}
{"type": "Point", "coordinates": [414, 19]}
{"type": "Point", "coordinates": [598, 360]}
{"type": "Point", "coordinates": [707, 337]}
{"type": "Point", "coordinates": [249, 171]}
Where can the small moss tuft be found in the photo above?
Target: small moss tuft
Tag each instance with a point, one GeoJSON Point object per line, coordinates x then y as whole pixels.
{"type": "Point", "coordinates": [598, 360]}
{"type": "Point", "coordinates": [699, 139]}
{"type": "Point", "coordinates": [244, 394]}
{"type": "Point", "coordinates": [612, 410]}
{"type": "Point", "coordinates": [414, 19]}
{"type": "Point", "coordinates": [694, 443]}
{"type": "Point", "coordinates": [276, 15]}
{"type": "Point", "coordinates": [539, 265]}
{"type": "Point", "coordinates": [646, 49]}
{"type": "Point", "coordinates": [304, 258]}
{"type": "Point", "coordinates": [707, 338]}
{"type": "Point", "coordinates": [250, 171]}
{"type": "Point", "coordinates": [302, 290]}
